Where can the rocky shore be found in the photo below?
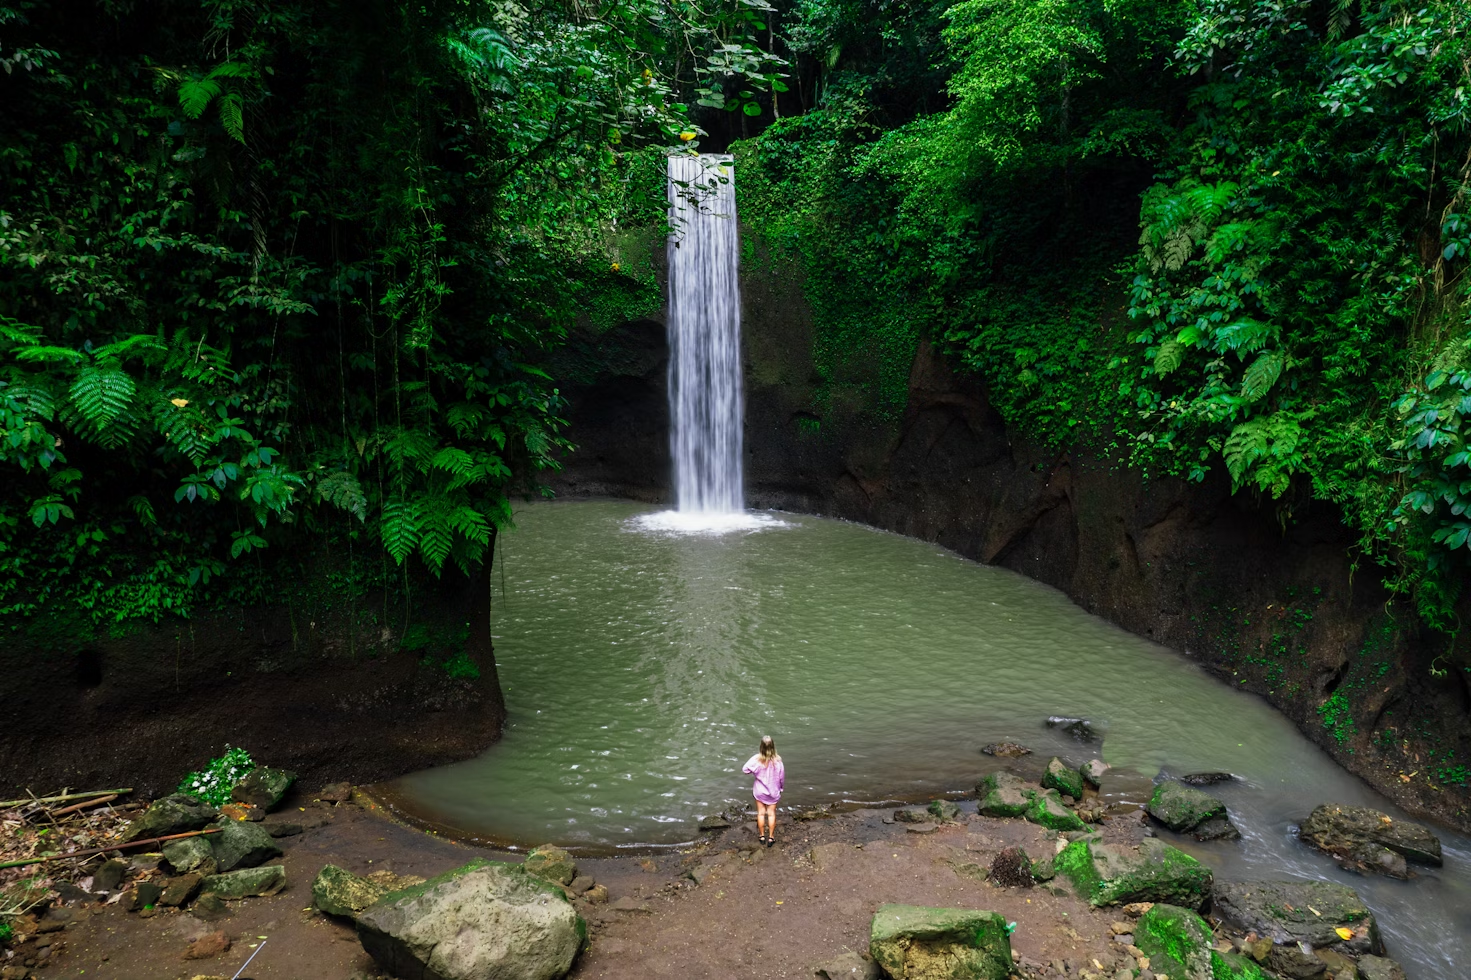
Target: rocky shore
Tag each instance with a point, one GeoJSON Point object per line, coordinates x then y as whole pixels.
{"type": "Point", "coordinates": [1027, 879]}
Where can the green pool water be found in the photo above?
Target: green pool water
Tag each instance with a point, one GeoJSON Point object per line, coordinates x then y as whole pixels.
{"type": "Point", "coordinates": [641, 666]}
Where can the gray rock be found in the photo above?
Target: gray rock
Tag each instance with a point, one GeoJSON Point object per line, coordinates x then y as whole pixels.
{"type": "Point", "coordinates": [339, 892]}
{"type": "Point", "coordinates": [335, 793]}
{"type": "Point", "coordinates": [210, 908]}
{"type": "Point", "coordinates": [849, 966]}
{"type": "Point", "coordinates": [921, 828]}
{"type": "Point", "coordinates": [912, 815]}
{"type": "Point", "coordinates": [1079, 728]}
{"type": "Point", "coordinates": [1293, 964]}
{"type": "Point", "coordinates": [1283, 911]}
{"type": "Point", "coordinates": [1206, 778]}
{"type": "Point", "coordinates": [1356, 833]}
{"type": "Point", "coordinates": [717, 822]}
{"type": "Point", "coordinates": [1379, 968]}
{"type": "Point", "coordinates": [1092, 772]}
{"type": "Point", "coordinates": [143, 895]}
{"type": "Point", "coordinates": [178, 813]}
{"type": "Point", "coordinates": [281, 828]}
{"type": "Point", "coordinates": [703, 868]}
{"type": "Point", "coordinates": [191, 854]}
{"type": "Point", "coordinates": [242, 845]}
{"type": "Point", "coordinates": [177, 891]}
{"type": "Point", "coordinates": [581, 884]}
{"type": "Point", "coordinates": [263, 787]}
{"type": "Point", "coordinates": [110, 875]}
{"type": "Point", "coordinates": [944, 811]}
{"type": "Point", "coordinates": [1006, 750]}
{"type": "Point", "coordinates": [247, 882]}
{"type": "Point", "coordinates": [484, 921]}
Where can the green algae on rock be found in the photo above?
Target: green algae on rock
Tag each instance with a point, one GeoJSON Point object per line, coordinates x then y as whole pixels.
{"type": "Point", "coordinates": [1109, 874]}
{"type": "Point", "coordinates": [1004, 795]}
{"type": "Point", "coordinates": [913, 942]}
{"type": "Point", "coordinates": [1066, 780]}
{"type": "Point", "coordinates": [485, 919]}
{"type": "Point", "coordinates": [552, 863]}
{"type": "Point", "coordinates": [944, 811]}
{"type": "Point", "coordinates": [242, 845]}
{"type": "Point", "coordinates": [1046, 809]}
{"type": "Point", "coordinates": [1188, 810]}
{"type": "Point", "coordinates": [1178, 943]}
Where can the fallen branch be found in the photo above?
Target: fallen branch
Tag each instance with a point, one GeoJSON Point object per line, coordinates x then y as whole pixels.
{"type": "Point", "coordinates": [103, 850]}
{"type": "Point", "coordinates": [9, 804]}
{"type": "Point", "coordinates": [84, 804]}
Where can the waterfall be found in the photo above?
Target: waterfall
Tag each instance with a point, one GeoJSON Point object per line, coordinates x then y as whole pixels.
{"type": "Point", "coordinates": [705, 407]}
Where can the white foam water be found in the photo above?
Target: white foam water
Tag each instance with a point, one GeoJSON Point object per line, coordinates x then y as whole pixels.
{"type": "Point", "coordinates": [705, 400]}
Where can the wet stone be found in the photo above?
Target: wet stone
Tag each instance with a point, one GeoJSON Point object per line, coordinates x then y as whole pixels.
{"type": "Point", "coordinates": [1006, 750]}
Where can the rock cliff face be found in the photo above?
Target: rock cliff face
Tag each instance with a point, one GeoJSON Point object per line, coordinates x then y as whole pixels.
{"type": "Point", "coordinates": [1281, 611]}
{"type": "Point", "coordinates": [327, 691]}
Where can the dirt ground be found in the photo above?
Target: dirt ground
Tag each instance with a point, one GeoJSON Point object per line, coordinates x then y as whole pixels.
{"type": "Point", "coordinates": [759, 913]}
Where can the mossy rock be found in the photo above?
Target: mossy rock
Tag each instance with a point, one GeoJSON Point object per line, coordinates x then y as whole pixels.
{"type": "Point", "coordinates": [1178, 944]}
{"type": "Point", "coordinates": [1186, 809]}
{"type": "Point", "coordinates": [263, 786]}
{"type": "Point", "coordinates": [247, 882]}
{"type": "Point", "coordinates": [1067, 781]}
{"type": "Point", "coordinates": [944, 811]}
{"type": "Point", "coordinates": [1004, 795]}
{"type": "Point", "coordinates": [177, 813]}
{"type": "Point", "coordinates": [1046, 809]}
{"type": "Point", "coordinates": [1109, 874]}
{"type": "Point", "coordinates": [242, 845]}
{"type": "Point", "coordinates": [337, 891]}
{"type": "Point", "coordinates": [552, 863]}
{"type": "Point", "coordinates": [485, 919]}
{"type": "Point", "coordinates": [912, 942]}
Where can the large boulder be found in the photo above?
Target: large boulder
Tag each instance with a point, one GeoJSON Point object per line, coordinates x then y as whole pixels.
{"type": "Point", "coordinates": [338, 891]}
{"type": "Point", "coordinates": [177, 813]}
{"type": "Point", "coordinates": [1004, 795]}
{"type": "Point", "coordinates": [242, 845]}
{"type": "Point", "coordinates": [1379, 968]}
{"type": "Point", "coordinates": [485, 921]}
{"type": "Point", "coordinates": [1360, 835]}
{"type": "Point", "coordinates": [1178, 944]}
{"type": "Point", "coordinates": [552, 863]}
{"type": "Point", "coordinates": [1291, 912]}
{"type": "Point", "coordinates": [1079, 728]}
{"type": "Point", "coordinates": [912, 942]}
{"type": "Point", "coordinates": [1112, 874]}
{"type": "Point", "coordinates": [1066, 780]}
{"type": "Point", "coordinates": [1187, 810]}
{"type": "Point", "coordinates": [1092, 772]}
{"type": "Point", "coordinates": [263, 786]}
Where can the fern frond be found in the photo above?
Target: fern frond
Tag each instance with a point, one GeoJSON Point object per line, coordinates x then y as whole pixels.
{"type": "Point", "coordinates": [453, 460]}
{"type": "Point", "coordinates": [399, 528]}
{"type": "Point", "coordinates": [195, 96]}
{"type": "Point", "coordinates": [232, 115]}
{"type": "Point", "coordinates": [436, 538]}
{"type": "Point", "coordinates": [342, 490]}
{"type": "Point", "coordinates": [471, 523]}
{"type": "Point", "coordinates": [102, 395]}
{"type": "Point", "coordinates": [49, 355]}
{"type": "Point", "coordinates": [1171, 355]}
{"type": "Point", "coordinates": [1261, 375]}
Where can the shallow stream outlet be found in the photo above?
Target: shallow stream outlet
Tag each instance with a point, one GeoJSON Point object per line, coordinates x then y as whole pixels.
{"type": "Point", "coordinates": [641, 666]}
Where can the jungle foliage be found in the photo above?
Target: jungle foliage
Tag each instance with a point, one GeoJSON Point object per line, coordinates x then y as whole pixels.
{"type": "Point", "coordinates": [1200, 235]}
{"type": "Point", "coordinates": [278, 275]}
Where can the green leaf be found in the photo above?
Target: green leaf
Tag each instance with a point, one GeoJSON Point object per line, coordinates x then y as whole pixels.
{"type": "Point", "coordinates": [751, 109]}
{"type": "Point", "coordinates": [1261, 375]}
{"type": "Point", "coordinates": [1171, 354]}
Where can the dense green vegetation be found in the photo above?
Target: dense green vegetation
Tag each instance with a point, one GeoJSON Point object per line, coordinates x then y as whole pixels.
{"type": "Point", "coordinates": [1197, 235]}
{"type": "Point", "coordinates": [276, 276]}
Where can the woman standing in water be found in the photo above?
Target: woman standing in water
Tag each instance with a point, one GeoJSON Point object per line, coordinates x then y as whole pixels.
{"type": "Point", "coordinates": [771, 777]}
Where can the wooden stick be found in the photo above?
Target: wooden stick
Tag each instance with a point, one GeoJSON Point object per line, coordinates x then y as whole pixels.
{"type": "Point", "coordinates": [84, 804]}
{"type": "Point", "coordinates": [103, 850]}
{"type": "Point", "coordinates": [8, 804]}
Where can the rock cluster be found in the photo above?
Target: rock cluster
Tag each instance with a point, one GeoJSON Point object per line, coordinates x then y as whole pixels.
{"type": "Point", "coordinates": [1368, 840]}
{"type": "Point", "coordinates": [1003, 794]}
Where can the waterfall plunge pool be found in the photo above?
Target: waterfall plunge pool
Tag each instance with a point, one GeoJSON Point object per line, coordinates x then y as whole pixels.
{"type": "Point", "coordinates": [641, 666]}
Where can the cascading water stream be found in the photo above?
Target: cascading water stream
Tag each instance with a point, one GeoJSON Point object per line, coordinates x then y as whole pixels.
{"type": "Point", "coordinates": [705, 410]}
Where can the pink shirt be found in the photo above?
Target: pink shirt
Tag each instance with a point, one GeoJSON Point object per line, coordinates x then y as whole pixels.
{"type": "Point", "coordinates": [770, 778]}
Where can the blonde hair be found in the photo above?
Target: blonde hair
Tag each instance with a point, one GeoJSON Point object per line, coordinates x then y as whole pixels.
{"type": "Point", "coordinates": [768, 751]}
